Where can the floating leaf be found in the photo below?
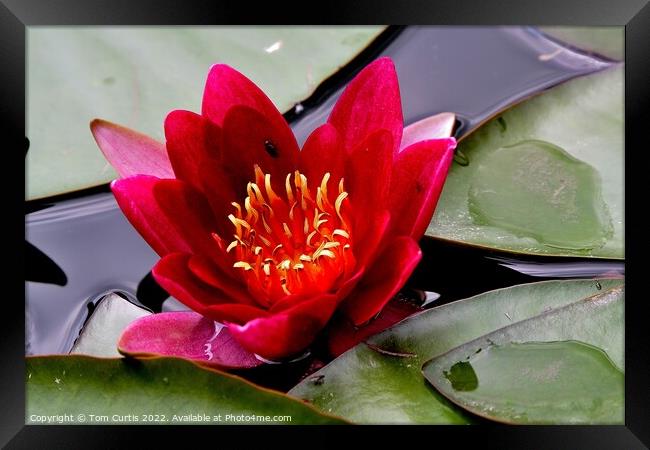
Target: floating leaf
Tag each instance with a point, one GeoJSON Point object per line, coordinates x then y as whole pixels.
{"type": "Point", "coordinates": [153, 391]}
{"type": "Point", "coordinates": [384, 384]}
{"type": "Point", "coordinates": [556, 368]}
{"type": "Point", "coordinates": [101, 332]}
{"type": "Point", "coordinates": [135, 76]}
{"type": "Point", "coordinates": [545, 177]}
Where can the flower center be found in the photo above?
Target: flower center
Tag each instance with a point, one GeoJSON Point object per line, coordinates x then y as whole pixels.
{"type": "Point", "coordinates": [293, 245]}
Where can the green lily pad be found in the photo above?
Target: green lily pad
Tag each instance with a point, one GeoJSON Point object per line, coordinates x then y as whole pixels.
{"type": "Point", "coordinates": [155, 391]}
{"type": "Point", "coordinates": [382, 382]}
{"type": "Point", "coordinates": [545, 177]}
{"type": "Point", "coordinates": [101, 332]}
{"type": "Point", "coordinates": [134, 76]}
{"type": "Point", "coordinates": [561, 367]}
{"type": "Point", "coordinates": [605, 41]}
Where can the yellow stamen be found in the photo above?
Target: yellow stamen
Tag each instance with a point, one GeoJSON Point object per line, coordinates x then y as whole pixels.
{"type": "Point", "coordinates": [296, 241]}
{"type": "Point", "coordinates": [339, 232]}
{"type": "Point", "coordinates": [242, 265]}
{"type": "Point", "coordinates": [311, 236]}
{"type": "Point", "coordinates": [232, 245]}
{"type": "Point", "coordinates": [337, 204]}
{"type": "Point", "coordinates": [264, 240]}
{"type": "Point", "coordinates": [269, 190]}
{"type": "Point", "coordinates": [287, 185]}
{"type": "Point", "coordinates": [287, 231]}
{"type": "Point", "coordinates": [236, 205]}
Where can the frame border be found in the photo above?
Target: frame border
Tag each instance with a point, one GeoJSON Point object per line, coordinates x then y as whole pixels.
{"type": "Point", "coordinates": [16, 15]}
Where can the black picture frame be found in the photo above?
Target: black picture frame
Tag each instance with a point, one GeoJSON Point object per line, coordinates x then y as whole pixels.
{"type": "Point", "coordinates": [16, 15]}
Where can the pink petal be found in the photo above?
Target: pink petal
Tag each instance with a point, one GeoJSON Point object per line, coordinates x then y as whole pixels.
{"type": "Point", "coordinates": [191, 139]}
{"type": "Point", "coordinates": [343, 335]}
{"type": "Point", "coordinates": [322, 153]}
{"type": "Point", "coordinates": [250, 138]}
{"type": "Point", "coordinates": [135, 197]}
{"type": "Point", "coordinates": [418, 176]}
{"type": "Point", "coordinates": [286, 333]}
{"type": "Point", "coordinates": [369, 103]}
{"type": "Point", "coordinates": [130, 152]}
{"type": "Point", "coordinates": [185, 335]}
{"type": "Point", "coordinates": [382, 280]}
{"type": "Point", "coordinates": [435, 127]}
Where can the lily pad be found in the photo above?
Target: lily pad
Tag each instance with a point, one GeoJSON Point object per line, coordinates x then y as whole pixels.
{"type": "Point", "coordinates": [135, 76]}
{"type": "Point", "coordinates": [382, 382]}
{"type": "Point", "coordinates": [606, 41]}
{"type": "Point", "coordinates": [545, 177]}
{"type": "Point", "coordinates": [101, 332]}
{"type": "Point", "coordinates": [561, 367]}
{"type": "Point", "coordinates": [156, 391]}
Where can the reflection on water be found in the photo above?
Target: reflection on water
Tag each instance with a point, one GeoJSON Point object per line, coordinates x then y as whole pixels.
{"type": "Point", "coordinates": [86, 247]}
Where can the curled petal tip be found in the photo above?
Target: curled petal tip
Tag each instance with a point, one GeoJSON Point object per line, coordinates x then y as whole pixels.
{"type": "Point", "coordinates": [438, 126]}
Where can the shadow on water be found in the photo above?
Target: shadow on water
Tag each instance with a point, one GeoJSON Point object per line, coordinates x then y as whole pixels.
{"type": "Point", "coordinates": [150, 294]}
{"type": "Point", "coordinates": [40, 268]}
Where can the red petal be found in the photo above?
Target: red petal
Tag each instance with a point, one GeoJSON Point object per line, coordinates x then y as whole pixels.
{"type": "Point", "coordinates": [286, 333]}
{"type": "Point", "coordinates": [234, 313]}
{"type": "Point", "coordinates": [135, 197]}
{"type": "Point", "coordinates": [368, 243]}
{"type": "Point", "coordinates": [383, 279]}
{"type": "Point", "coordinates": [190, 214]}
{"type": "Point", "coordinates": [173, 274]}
{"type": "Point", "coordinates": [250, 138]}
{"type": "Point", "coordinates": [418, 177]}
{"type": "Point", "coordinates": [225, 88]}
{"type": "Point", "coordinates": [226, 281]}
{"type": "Point", "coordinates": [191, 139]}
{"type": "Point", "coordinates": [185, 335]}
{"type": "Point", "coordinates": [322, 153]}
{"type": "Point", "coordinates": [368, 172]}
{"type": "Point", "coordinates": [217, 185]}
{"type": "Point", "coordinates": [343, 335]}
{"type": "Point", "coordinates": [130, 152]}
{"type": "Point", "coordinates": [439, 126]}
{"type": "Point", "coordinates": [369, 103]}
{"type": "Point", "coordinates": [367, 179]}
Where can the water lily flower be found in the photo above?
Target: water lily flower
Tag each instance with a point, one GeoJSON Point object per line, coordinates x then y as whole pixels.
{"type": "Point", "coordinates": [269, 239]}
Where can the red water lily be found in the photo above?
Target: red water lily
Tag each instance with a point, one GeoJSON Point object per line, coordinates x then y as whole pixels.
{"type": "Point", "coordinates": [269, 239]}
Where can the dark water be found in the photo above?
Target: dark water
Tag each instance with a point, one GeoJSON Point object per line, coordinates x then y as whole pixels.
{"type": "Point", "coordinates": [80, 248]}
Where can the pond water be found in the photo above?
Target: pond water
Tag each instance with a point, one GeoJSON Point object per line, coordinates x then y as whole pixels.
{"type": "Point", "coordinates": [79, 246]}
